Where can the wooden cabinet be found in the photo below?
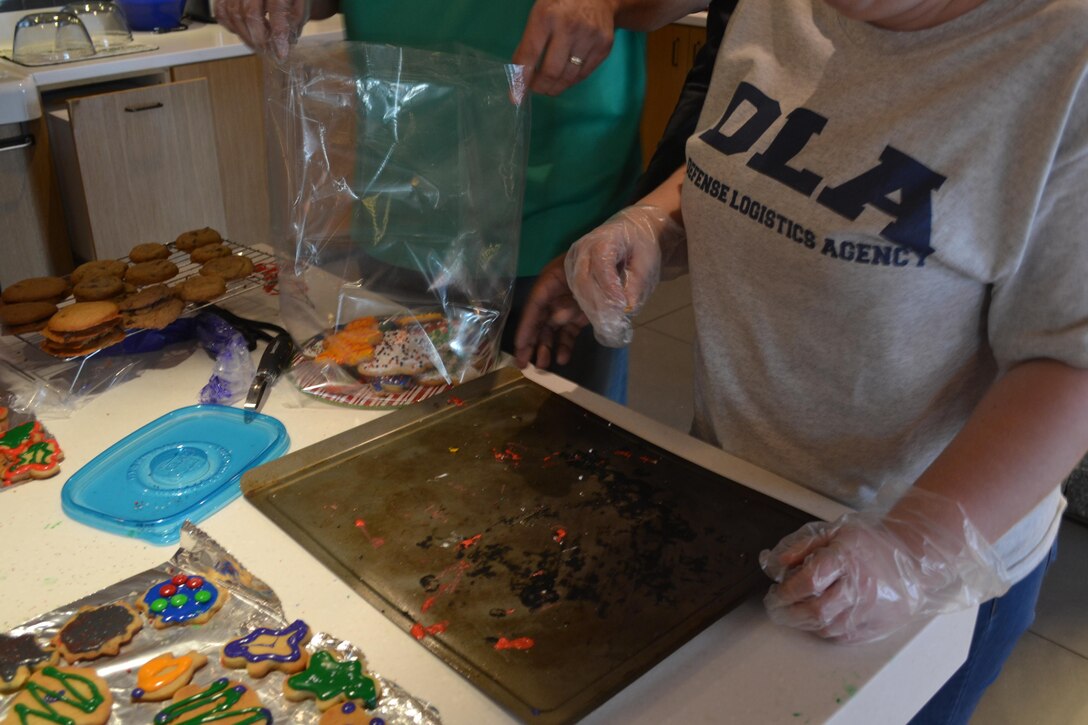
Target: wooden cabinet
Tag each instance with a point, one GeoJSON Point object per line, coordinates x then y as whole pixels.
{"type": "Point", "coordinates": [237, 99]}
{"type": "Point", "coordinates": [136, 166]}
{"type": "Point", "coordinates": [35, 239]}
{"type": "Point", "coordinates": [167, 153]}
{"type": "Point", "coordinates": [670, 53]}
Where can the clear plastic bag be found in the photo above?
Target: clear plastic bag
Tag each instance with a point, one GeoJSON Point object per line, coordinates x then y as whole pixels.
{"type": "Point", "coordinates": [398, 206]}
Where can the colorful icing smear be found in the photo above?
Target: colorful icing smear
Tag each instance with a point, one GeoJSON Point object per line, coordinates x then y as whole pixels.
{"type": "Point", "coordinates": [180, 598]}
{"type": "Point", "coordinates": [265, 644]}
{"type": "Point", "coordinates": [221, 701]}
{"type": "Point", "coordinates": [327, 678]}
{"type": "Point", "coordinates": [19, 652]}
{"type": "Point", "coordinates": [73, 690]}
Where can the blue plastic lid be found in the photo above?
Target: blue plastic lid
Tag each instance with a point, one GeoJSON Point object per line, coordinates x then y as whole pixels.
{"type": "Point", "coordinates": [186, 465]}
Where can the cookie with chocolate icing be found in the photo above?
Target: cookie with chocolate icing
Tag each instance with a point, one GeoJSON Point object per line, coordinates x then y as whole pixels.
{"type": "Point", "coordinates": [97, 631]}
{"type": "Point", "coordinates": [19, 657]}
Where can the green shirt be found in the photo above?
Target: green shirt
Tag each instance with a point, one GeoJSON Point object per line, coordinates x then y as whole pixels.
{"type": "Point", "coordinates": [583, 149]}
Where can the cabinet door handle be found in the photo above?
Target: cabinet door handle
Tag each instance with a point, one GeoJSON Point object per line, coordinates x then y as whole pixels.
{"type": "Point", "coordinates": [675, 52]}
{"type": "Point", "coordinates": [145, 107]}
{"type": "Point", "coordinates": [17, 142]}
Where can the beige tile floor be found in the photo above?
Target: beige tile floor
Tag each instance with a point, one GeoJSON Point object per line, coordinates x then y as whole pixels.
{"type": "Point", "coordinates": [1045, 682]}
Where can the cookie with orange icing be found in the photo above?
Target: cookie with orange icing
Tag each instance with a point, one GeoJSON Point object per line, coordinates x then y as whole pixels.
{"type": "Point", "coordinates": [69, 695]}
{"type": "Point", "coordinates": [268, 648]}
{"type": "Point", "coordinates": [161, 677]}
{"type": "Point", "coordinates": [38, 460]}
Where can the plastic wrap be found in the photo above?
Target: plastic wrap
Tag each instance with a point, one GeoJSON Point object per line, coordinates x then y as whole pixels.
{"type": "Point", "coordinates": [398, 206]}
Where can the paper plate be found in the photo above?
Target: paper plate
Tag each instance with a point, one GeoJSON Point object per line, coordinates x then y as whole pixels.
{"type": "Point", "coordinates": [184, 466]}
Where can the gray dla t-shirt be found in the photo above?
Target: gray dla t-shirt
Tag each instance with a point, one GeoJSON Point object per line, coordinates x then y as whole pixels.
{"type": "Point", "coordinates": [879, 224]}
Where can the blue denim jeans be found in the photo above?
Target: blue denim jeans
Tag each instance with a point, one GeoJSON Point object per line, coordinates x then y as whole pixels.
{"type": "Point", "coordinates": [592, 365]}
{"type": "Point", "coordinates": [999, 625]}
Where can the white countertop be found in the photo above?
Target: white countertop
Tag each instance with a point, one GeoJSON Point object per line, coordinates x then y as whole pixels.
{"type": "Point", "coordinates": [741, 669]}
{"type": "Point", "coordinates": [20, 86]}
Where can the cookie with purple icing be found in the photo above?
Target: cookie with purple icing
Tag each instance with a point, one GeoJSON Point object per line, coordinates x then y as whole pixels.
{"type": "Point", "coordinates": [269, 648]}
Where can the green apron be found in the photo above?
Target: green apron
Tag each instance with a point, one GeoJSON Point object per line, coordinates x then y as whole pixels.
{"type": "Point", "coordinates": [584, 146]}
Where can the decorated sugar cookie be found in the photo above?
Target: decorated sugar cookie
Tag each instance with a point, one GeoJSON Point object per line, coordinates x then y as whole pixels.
{"type": "Point", "coordinates": [160, 677]}
{"type": "Point", "coordinates": [38, 460]}
{"type": "Point", "coordinates": [266, 649]}
{"type": "Point", "coordinates": [350, 712]}
{"type": "Point", "coordinates": [19, 656]}
{"type": "Point", "coordinates": [182, 599]}
{"type": "Point", "coordinates": [17, 439]}
{"type": "Point", "coordinates": [331, 681]}
{"type": "Point", "coordinates": [97, 631]}
{"type": "Point", "coordinates": [65, 695]}
{"type": "Point", "coordinates": [223, 701]}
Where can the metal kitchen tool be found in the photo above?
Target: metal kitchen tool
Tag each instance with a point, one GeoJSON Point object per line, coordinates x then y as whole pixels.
{"type": "Point", "coordinates": [275, 359]}
{"type": "Point", "coordinates": [543, 552]}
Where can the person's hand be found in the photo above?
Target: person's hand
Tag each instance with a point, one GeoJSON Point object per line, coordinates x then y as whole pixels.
{"type": "Point", "coordinates": [264, 25]}
{"type": "Point", "coordinates": [865, 576]}
{"type": "Point", "coordinates": [613, 269]}
{"type": "Point", "coordinates": [550, 320]}
{"type": "Point", "coordinates": [564, 41]}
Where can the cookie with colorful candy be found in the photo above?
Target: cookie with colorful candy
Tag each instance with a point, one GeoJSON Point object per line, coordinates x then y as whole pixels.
{"type": "Point", "coordinates": [182, 599]}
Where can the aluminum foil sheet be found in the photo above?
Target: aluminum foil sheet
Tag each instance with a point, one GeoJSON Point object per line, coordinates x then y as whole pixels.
{"type": "Point", "coordinates": [251, 603]}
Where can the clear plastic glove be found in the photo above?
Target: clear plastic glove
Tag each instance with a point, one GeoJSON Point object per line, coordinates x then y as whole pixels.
{"type": "Point", "coordinates": [264, 25]}
{"type": "Point", "coordinates": [613, 269]}
{"type": "Point", "coordinates": [866, 575]}
{"type": "Point", "coordinates": [234, 367]}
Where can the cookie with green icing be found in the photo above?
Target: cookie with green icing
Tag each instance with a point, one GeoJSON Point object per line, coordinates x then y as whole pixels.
{"type": "Point", "coordinates": [68, 695]}
{"type": "Point", "coordinates": [223, 701]}
{"type": "Point", "coordinates": [331, 681]}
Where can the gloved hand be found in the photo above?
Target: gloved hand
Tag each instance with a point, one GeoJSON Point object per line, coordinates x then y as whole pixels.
{"type": "Point", "coordinates": [264, 25]}
{"type": "Point", "coordinates": [866, 575]}
{"type": "Point", "coordinates": [613, 269]}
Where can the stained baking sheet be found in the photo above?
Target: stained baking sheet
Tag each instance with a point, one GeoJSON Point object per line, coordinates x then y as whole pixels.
{"type": "Point", "coordinates": [545, 553]}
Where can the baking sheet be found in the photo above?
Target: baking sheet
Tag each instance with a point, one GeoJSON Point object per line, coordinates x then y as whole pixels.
{"type": "Point", "coordinates": [548, 555]}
